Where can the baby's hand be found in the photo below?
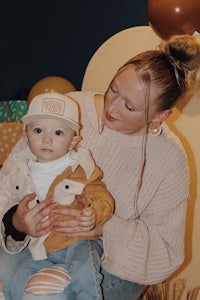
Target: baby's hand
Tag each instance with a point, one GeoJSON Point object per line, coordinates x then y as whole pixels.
{"type": "Point", "coordinates": [87, 219]}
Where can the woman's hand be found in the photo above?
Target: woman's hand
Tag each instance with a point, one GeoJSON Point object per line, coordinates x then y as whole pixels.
{"type": "Point", "coordinates": [75, 227]}
{"type": "Point", "coordinates": [33, 221]}
{"type": "Point", "coordinates": [82, 222]}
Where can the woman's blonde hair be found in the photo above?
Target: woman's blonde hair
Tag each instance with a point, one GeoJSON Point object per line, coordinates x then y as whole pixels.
{"type": "Point", "coordinates": [172, 69]}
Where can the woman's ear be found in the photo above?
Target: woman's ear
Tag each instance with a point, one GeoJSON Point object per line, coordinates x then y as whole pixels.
{"type": "Point", "coordinates": [155, 126]}
{"type": "Point", "coordinates": [161, 117]}
{"type": "Point", "coordinates": [75, 140]}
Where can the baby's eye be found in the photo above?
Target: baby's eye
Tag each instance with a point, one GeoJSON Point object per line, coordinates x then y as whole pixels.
{"type": "Point", "coordinates": [59, 132]}
{"type": "Point", "coordinates": [37, 130]}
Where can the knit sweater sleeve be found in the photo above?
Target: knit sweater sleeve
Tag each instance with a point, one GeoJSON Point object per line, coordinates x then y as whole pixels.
{"type": "Point", "coordinates": [150, 248]}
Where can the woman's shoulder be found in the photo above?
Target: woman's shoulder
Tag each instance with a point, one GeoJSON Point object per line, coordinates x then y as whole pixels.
{"type": "Point", "coordinates": [172, 139]}
{"type": "Point", "coordinates": [173, 148]}
{"type": "Point", "coordinates": [167, 146]}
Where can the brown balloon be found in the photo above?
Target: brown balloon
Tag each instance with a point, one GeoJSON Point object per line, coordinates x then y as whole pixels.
{"type": "Point", "coordinates": [170, 17]}
{"type": "Point", "coordinates": [51, 84]}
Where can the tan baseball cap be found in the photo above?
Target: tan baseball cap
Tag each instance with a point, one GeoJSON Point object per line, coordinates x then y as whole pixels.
{"type": "Point", "coordinates": [53, 106]}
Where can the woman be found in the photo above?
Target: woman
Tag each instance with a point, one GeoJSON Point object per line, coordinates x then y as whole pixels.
{"type": "Point", "coordinates": [145, 169]}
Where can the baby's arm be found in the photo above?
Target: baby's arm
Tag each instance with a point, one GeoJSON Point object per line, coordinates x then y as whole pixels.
{"type": "Point", "coordinates": [98, 198]}
{"type": "Point", "coordinates": [87, 219]}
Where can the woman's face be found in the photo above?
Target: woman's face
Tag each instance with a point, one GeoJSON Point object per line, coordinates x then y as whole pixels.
{"type": "Point", "coordinates": [125, 103]}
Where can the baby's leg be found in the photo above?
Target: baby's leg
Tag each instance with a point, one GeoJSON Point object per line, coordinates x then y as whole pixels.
{"type": "Point", "coordinates": [52, 280]}
{"type": "Point", "coordinates": [82, 261]}
{"type": "Point", "coordinates": [9, 264]}
{"type": "Point", "coordinates": [28, 268]}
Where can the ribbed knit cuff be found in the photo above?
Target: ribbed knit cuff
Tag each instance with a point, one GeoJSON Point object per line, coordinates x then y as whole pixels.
{"type": "Point", "coordinates": [9, 228]}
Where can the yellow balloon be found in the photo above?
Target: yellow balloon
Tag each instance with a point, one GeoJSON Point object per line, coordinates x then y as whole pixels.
{"type": "Point", "coordinates": [51, 84]}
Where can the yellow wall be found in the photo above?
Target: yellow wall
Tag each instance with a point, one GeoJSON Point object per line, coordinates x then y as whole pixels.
{"type": "Point", "coordinates": [185, 122]}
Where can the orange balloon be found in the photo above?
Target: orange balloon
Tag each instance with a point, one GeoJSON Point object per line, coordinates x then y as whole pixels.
{"type": "Point", "coordinates": [170, 17]}
{"type": "Point", "coordinates": [51, 84]}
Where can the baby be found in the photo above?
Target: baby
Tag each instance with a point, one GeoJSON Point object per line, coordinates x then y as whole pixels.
{"type": "Point", "coordinates": [54, 168]}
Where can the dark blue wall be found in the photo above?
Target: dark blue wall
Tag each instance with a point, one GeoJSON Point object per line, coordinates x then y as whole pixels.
{"type": "Point", "coordinates": [57, 38]}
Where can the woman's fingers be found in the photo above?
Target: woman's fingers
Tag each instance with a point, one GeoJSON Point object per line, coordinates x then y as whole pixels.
{"type": "Point", "coordinates": [96, 231]}
{"type": "Point", "coordinates": [44, 227]}
{"type": "Point", "coordinates": [34, 221]}
{"type": "Point", "coordinates": [67, 211]}
{"type": "Point", "coordinates": [42, 210]}
{"type": "Point", "coordinates": [66, 226]}
{"type": "Point", "coordinates": [70, 225]}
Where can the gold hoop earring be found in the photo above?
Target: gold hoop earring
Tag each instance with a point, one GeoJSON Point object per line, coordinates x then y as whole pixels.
{"type": "Point", "coordinates": [155, 129]}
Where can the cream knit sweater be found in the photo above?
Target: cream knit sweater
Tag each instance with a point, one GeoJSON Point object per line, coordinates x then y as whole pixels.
{"type": "Point", "coordinates": [149, 248]}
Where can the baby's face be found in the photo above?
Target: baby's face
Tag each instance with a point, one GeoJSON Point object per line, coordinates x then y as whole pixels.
{"type": "Point", "coordinates": [49, 139]}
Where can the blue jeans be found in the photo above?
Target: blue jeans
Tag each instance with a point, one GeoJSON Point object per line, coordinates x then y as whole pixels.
{"type": "Point", "coordinates": [115, 288]}
{"type": "Point", "coordinates": [9, 264]}
{"type": "Point", "coordinates": [112, 286]}
{"type": "Point", "coordinates": [82, 257]}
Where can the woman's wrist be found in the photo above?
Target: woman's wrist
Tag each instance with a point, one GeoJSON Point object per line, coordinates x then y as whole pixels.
{"type": "Point", "coordinates": [10, 229]}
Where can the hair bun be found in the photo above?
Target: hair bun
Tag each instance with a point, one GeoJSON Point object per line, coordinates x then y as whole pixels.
{"type": "Point", "coordinates": [184, 51]}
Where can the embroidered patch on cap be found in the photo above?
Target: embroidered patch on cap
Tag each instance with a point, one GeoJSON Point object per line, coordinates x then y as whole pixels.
{"type": "Point", "coordinates": [53, 106]}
